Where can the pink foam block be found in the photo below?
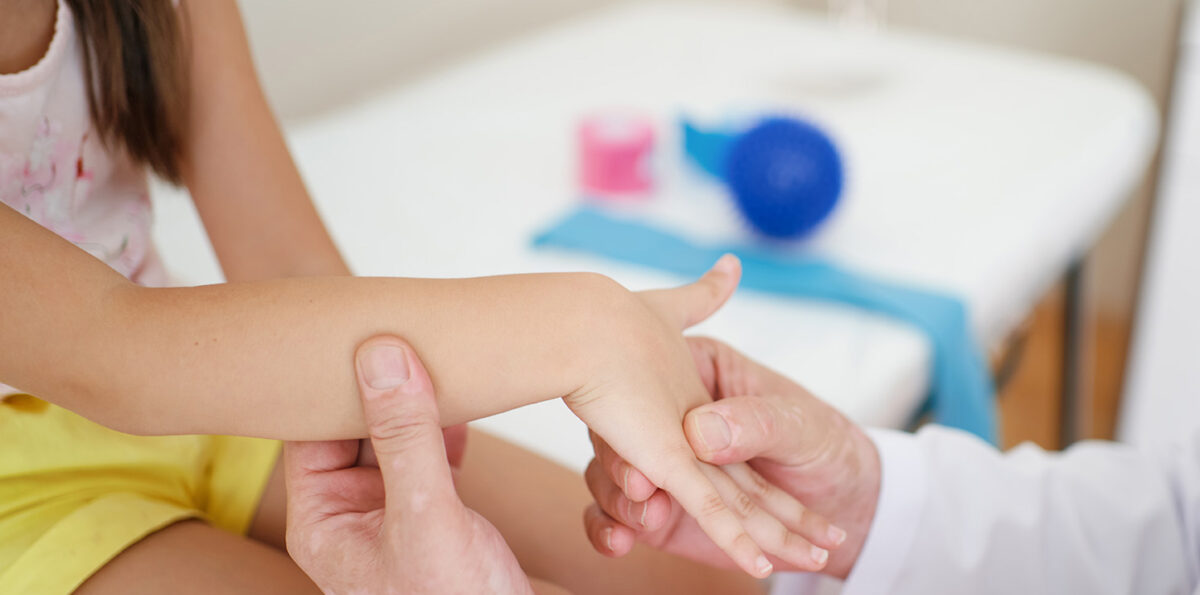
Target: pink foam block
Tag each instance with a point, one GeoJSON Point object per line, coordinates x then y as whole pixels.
{"type": "Point", "coordinates": [614, 154]}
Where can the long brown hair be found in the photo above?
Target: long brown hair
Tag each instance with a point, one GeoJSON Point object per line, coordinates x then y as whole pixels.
{"type": "Point", "coordinates": [135, 67]}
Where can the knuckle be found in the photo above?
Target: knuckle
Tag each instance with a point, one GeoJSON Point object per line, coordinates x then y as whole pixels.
{"type": "Point", "coordinates": [712, 506]}
{"type": "Point", "coordinates": [789, 541]}
{"type": "Point", "coordinates": [806, 518]}
{"type": "Point", "coordinates": [396, 434]}
{"type": "Point", "coordinates": [742, 504]}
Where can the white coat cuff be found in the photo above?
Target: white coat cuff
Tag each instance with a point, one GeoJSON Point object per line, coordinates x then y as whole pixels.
{"type": "Point", "coordinates": [902, 494]}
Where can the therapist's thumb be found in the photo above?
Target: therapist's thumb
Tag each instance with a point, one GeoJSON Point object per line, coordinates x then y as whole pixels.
{"type": "Point", "coordinates": [737, 429]}
{"type": "Point", "coordinates": [403, 423]}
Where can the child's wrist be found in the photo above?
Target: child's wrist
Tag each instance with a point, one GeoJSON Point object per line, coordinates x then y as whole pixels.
{"type": "Point", "coordinates": [615, 332]}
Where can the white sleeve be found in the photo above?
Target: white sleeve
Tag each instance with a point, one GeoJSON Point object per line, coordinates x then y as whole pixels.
{"type": "Point", "coordinates": [957, 516]}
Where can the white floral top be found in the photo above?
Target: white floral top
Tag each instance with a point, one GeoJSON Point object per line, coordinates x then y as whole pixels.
{"type": "Point", "coordinates": [55, 170]}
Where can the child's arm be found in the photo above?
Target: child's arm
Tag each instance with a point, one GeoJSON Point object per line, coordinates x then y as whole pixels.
{"type": "Point", "coordinates": [273, 358]}
{"type": "Point", "coordinates": [252, 201]}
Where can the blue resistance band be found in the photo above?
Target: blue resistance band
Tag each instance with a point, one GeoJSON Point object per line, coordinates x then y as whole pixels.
{"type": "Point", "coordinates": [961, 395]}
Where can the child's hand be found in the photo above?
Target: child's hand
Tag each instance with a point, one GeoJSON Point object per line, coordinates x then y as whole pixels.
{"type": "Point", "coordinates": [797, 443]}
{"type": "Point", "coordinates": [644, 383]}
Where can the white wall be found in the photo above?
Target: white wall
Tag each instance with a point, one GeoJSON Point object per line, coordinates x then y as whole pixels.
{"type": "Point", "coordinates": [315, 54]}
{"type": "Point", "coordinates": [1164, 377]}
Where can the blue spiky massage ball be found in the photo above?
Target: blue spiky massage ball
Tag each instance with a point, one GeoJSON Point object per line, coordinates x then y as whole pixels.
{"type": "Point", "coordinates": [786, 176]}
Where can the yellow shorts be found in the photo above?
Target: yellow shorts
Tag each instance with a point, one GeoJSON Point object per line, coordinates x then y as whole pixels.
{"type": "Point", "coordinates": [74, 494]}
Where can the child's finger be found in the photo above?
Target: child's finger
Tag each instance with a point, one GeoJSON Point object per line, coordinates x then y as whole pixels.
{"type": "Point", "coordinates": [607, 535]}
{"type": "Point", "coordinates": [781, 505]}
{"type": "Point", "coordinates": [632, 482]}
{"type": "Point", "coordinates": [692, 303]}
{"type": "Point", "coordinates": [689, 484]}
{"type": "Point", "coordinates": [766, 530]}
{"type": "Point", "coordinates": [649, 515]}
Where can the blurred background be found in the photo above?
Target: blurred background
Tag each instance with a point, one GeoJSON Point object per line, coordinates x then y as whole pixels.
{"type": "Point", "coordinates": [1137, 287]}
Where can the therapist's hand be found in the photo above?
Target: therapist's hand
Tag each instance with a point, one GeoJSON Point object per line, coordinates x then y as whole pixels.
{"type": "Point", "coordinates": [399, 527]}
{"type": "Point", "coordinates": [794, 440]}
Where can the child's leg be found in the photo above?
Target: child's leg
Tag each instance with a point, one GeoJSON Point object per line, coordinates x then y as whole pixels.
{"type": "Point", "coordinates": [191, 557]}
{"type": "Point", "coordinates": [270, 520]}
{"type": "Point", "coordinates": [538, 506]}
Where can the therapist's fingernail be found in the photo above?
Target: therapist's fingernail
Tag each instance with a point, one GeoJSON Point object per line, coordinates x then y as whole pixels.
{"type": "Point", "coordinates": [608, 539]}
{"type": "Point", "coordinates": [820, 556]}
{"type": "Point", "coordinates": [384, 367]}
{"type": "Point", "coordinates": [713, 431]}
{"type": "Point", "coordinates": [836, 535]}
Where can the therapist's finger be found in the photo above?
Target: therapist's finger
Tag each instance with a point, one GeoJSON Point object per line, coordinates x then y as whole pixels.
{"type": "Point", "coordinates": [456, 446]}
{"type": "Point", "coordinates": [309, 471]}
{"type": "Point", "coordinates": [403, 424]}
{"type": "Point", "coordinates": [632, 482]}
{"type": "Point", "coordinates": [737, 429]}
{"type": "Point", "coordinates": [320, 456]}
{"type": "Point", "coordinates": [692, 303]}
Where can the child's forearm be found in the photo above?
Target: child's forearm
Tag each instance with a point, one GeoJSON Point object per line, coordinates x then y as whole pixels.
{"type": "Point", "coordinates": [274, 358]}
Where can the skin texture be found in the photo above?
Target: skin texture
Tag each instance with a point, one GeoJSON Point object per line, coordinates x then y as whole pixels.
{"type": "Point", "coordinates": [25, 39]}
{"type": "Point", "coordinates": [142, 360]}
{"type": "Point", "coordinates": [794, 440]}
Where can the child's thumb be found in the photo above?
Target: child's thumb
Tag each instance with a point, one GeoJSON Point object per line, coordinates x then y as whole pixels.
{"type": "Point", "coordinates": [692, 303]}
